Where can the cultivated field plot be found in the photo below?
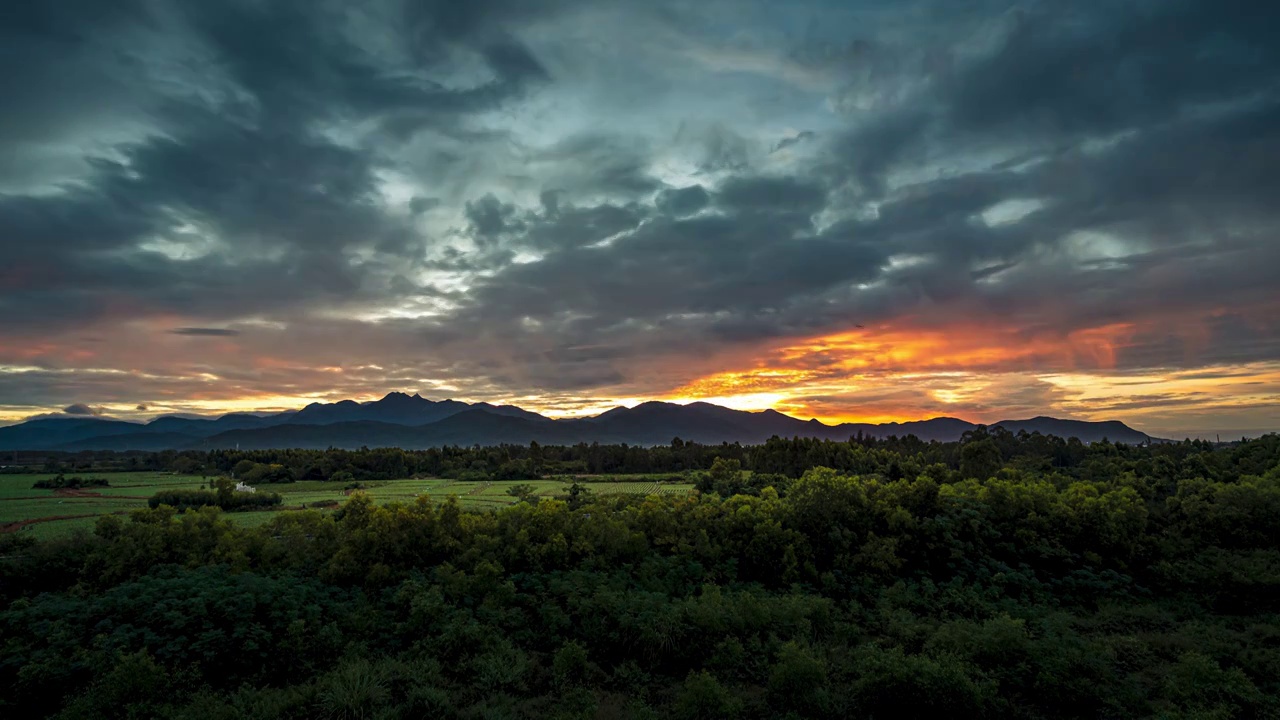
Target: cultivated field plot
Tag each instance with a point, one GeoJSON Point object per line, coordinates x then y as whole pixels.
{"type": "Point", "coordinates": [51, 513]}
{"type": "Point", "coordinates": [639, 488]}
{"type": "Point", "coordinates": [58, 528]}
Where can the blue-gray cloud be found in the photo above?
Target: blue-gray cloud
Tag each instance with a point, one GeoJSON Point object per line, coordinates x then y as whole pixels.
{"type": "Point", "coordinates": [526, 197]}
{"type": "Point", "coordinates": [204, 332]}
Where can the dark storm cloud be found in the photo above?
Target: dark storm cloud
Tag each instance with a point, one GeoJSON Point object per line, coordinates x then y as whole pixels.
{"type": "Point", "coordinates": [679, 281]}
{"type": "Point", "coordinates": [1182, 198]}
{"type": "Point", "coordinates": [204, 332]}
{"type": "Point", "coordinates": [419, 205]}
{"type": "Point", "coordinates": [684, 201]}
{"type": "Point", "coordinates": [1053, 168]}
{"type": "Point", "coordinates": [747, 194]}
{"type": "Point", "coordinates": [81, 409]}
{"type": "Point", "coordinates": [61, 75]}
{"type": "Point", "coordinates": [491, 218]}
{"type": "Point", "coordinates": [321, 68]}
{"type": "Point", "coordinates": [235, 201]}
{"type": "Point", "coordinates": [721, 149]}
{"type": "Point", "coordinates": [573, 226]}
{"type": "Point", "coordinates": [1063, 72]}
{"type": "Point", "coordinates": [796, 139]}
{"type": "Point", "coordinates": [597, 164]}
{"type": "Point", "coordinates": [1067, 70]}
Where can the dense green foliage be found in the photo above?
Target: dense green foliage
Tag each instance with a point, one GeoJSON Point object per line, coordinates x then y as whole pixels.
{"type": "Point", "coordinates": [999, 577]}
{"type": "Point", "coordinates": [222, 495]}
{"type": "Point", "coordinates": [68, 483]}
{"type": "Point", "coordinates": [893, 457]}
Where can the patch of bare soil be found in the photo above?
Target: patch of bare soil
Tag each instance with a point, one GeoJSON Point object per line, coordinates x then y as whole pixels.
{"type": "Point", "coordinates": [75, 492]}
{"type": "Point", "coordinates": [19, 524]}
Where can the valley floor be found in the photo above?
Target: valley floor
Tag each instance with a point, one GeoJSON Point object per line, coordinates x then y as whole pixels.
{"type": "Point", "coordinates": [55, 513]}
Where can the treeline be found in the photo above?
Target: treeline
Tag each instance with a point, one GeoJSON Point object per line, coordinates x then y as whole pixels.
{"type": "Point", "coordinates": [222, 494]}
{"type": "Point", "coordinates": [62, 482]}
{"type": "Point", "coordinates": [1126, 583]}
{"type": "Point", "coordinates": [978, 454]}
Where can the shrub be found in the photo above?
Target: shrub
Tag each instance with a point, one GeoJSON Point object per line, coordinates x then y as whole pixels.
{"type": "Point", "coordinates": [702, 697]}
{"type": "Point", "coordinates": [524, 492]}
{"type": "Point", "coordinates": [570, 664]}
{"type": "Point", "coordinates": [69, 483]}
{"type": "Point", "coordinates": [893, 683]}
{"type": "Point", "coordinates": [798, 681]}
{"type": "Point", "coordinates": [223, 496]}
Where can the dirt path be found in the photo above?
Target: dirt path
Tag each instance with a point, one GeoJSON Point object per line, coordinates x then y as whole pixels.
{"type": "Point", "coordinates": [75, 492]}
{"type": "Point", "coordinates": [21, 524]}
{"type": "Point", "coordinates": [90, 496]}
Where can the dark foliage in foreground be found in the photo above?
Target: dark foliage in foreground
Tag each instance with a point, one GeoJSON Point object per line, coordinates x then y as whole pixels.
{"type": "Point", "coordinates": [1136, 582]}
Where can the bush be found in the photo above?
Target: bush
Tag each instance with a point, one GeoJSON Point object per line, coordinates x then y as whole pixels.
{"type": "Point", "coordinates": [524, 492]}
{"type": "Point", "coordinates": [702, 697]}
{"type": "Point", "coordinates": [570, 664]}
{"type": "Point", "coordinates": [516, 470]}
{"type": "Point", "coordinates": [798, 681]}
{"type": "Point", "coordinates": [892, 683]}
{"type": "Point", "coordinates": [357, 689]}
{"type": "Point", "coordinates": [267, 473]}
{"type": "Point", "coordinates": [223, 496]}
{"type": "Point", "coordinates": [70, 483]}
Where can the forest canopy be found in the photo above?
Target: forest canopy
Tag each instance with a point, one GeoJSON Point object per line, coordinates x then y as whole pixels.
{"type": "Point", "coordinates": [1003, 576]}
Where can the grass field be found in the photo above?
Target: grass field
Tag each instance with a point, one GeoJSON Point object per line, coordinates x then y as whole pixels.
{"type": "Point", "coordinates": [55, 513]}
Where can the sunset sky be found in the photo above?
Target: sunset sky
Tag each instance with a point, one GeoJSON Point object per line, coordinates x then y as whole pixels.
{"type": "Point", "coordinates": [862, 210]}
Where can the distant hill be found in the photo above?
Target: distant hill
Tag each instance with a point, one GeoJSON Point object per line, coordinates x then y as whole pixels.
{"type": "Point", "coordinates": [47, 433]}
{"type": "Point", "coordinates": [413, 422]}
{"type": "Point", "coordinates": [204, 427]}
{"type": "Point", "coordinates": [1113, 430]}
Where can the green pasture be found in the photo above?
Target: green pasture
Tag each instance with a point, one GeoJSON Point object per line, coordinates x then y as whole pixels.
{"type": "Point", "coordinates": [58, 528]}
{"type": "Point", "coordinates": [130, 490]}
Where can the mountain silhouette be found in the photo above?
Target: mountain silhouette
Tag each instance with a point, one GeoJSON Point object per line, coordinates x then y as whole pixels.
{"type": "Point", "coordinates": [414, 422]}
{"type": "Point", "coordinates": [397, 408]}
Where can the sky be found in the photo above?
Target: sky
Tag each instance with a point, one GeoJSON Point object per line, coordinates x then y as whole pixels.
{"type": "Point", "coordinates": [855, 210]}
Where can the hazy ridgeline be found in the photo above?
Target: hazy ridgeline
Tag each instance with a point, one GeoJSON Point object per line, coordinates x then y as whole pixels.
{"type": "Point", "coordinates": [895, 456]}
{"type": "Point", "coordinates": [1003, 576]}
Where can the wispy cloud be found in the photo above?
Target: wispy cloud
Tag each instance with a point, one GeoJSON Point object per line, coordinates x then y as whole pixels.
{"type": "Point", "coordinates": [204, 332]}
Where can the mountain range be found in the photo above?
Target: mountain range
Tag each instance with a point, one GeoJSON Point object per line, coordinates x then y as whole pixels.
{"type": "Point", "coordinates": [414, 422]}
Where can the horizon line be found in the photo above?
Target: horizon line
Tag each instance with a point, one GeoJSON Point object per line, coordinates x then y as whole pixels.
{"type": "Point", "coordinates": [1230, 433]}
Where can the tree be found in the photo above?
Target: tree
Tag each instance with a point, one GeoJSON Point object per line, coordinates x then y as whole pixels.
{"type": "Point", "coordinates": [702, 697]}
{"type": "Point", "coordinates": [570, 665]}
{"type": "Point", "coordinates": [579, 495]}
{"type": "Point", "coordinates": [979, 459]}
{"type": "Point", "coordinates": [523, 492]}
{"type": "Point", "coordinates": [798, 681]}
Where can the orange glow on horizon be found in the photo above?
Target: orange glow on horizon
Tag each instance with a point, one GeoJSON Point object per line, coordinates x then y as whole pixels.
{"type": "Point", "coordinates": [889, 373]}
{"type": "Point", "coordinates": [870, 359]}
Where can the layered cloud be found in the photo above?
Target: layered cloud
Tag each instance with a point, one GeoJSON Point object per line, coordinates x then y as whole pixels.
{"type": "Point", "coordinates": [849, 210]}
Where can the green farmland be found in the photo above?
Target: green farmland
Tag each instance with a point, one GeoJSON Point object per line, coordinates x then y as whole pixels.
{"type": "Point", "coordinates": [52, 513]}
